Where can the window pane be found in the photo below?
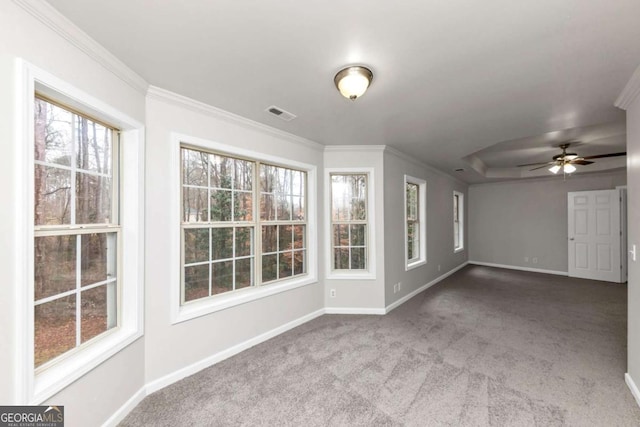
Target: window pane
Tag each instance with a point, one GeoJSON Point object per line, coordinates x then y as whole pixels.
{"type": "Point", "coordinates": [412, 202]}
{"type": "Point", "coordinates": [298, 208]}
{"type": "Point", "coordinates": [196, 245]}
{"type": "Point", "coordinates": [267, 178]}
{"type": "Point", "coordinates": [341, 235]}
{"type": "Point", "coordinates": [52, 198]}
{"type": "Point", "coordinates": [358, 261]}
{"type": "Point", "coordinates": [284, 207]}
{"type": "Point", "coordinates": [221, 205]}
{"type": "Point", "coordinates": [269, 238]}
{"type": "Point", "coordinates": [222, 277]}
{"type": "Point", "coordinates": [269, 268]}
{"type": "Point", "coordinates": [244, 273]}
{"type": "Point", "coordinates": [358, 234]}
{"type": "Point", "coordinates": [267, 207]}
{"type": "Point", "coordinates": [359, 197]}
{"type": "Point", "coordinates": [243, 175]}
{"type": "Point", "coordinates": [243, 206]}
{"type": "Point", "coordinates": [93, 146]}
{"type": "Point", "coordinates": [195, 166]}
{"type": "Point", "coordinates": [194, 205]}
{"type": "Point", "coordinates": [244, 241]}
{"type": "Point", "coordinates": [299, 236]}
{"type": "Point", "coordinates": [340, 197]}
{"type": "Point", "coordinates": [299, 262]}
{"type": "Point", "coordinates": [283, 181]}
{"type": "Point", "coordinates": [410, 240]}
{"type": "Point", "coordinates": [455, 207]}
{"type": "Point", "coordinates": [286, 266]}
{"type": "Point", "coordinates": [98, 257]}
{"type": "Point", "coordinates": [55, 265]}
{"type": "Point", "coordinates": [341, 259]}
{"type": "Point", "coordinates": [94, 312]}
{"type": "Point", "coordinates": [196, 282]}
{"type": "Point", "coordinates": [53, 141]}
{"type": "Point", "coordinates": [298, 185]}
{"type": "Point", "coordinates": [222, 242]}
{"type": "Point", "coordinates": [55, 328]}
{"type": "Point", "coordinates": [221, 171]}
{"type": "Point", "coordinates": [285, 241]}
{"type": "Point", "coordinates": [93, 199]}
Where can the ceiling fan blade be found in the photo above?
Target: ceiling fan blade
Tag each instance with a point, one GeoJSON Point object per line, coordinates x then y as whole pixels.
{"type": "Point", "coordinates": [537, 164]}
{"type": "Point", "coordinates": [543, 166]}
{"type": "Point", "coordinates": [601, 156]}
{"type": "Point", "coordinates": [580, 162]}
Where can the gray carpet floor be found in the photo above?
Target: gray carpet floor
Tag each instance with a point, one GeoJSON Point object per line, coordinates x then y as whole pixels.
{"type": "Point", "coordinates": [485, 347]}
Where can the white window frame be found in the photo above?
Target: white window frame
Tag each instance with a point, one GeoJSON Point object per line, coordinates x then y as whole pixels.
{"type": "Point", "coordinates": [201, 307]}
{"type": "Point", "coordinates": [34, 388]}
{"type": "Point", "coordinates": [422, 220]}
{"type": "Point", "coordinates": [370, 272]}
{"type": "Point", "coordinates": [460, 223]}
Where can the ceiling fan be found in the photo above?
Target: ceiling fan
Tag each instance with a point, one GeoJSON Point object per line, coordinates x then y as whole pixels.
{"type": "Point", "coordinates": [566, 161]}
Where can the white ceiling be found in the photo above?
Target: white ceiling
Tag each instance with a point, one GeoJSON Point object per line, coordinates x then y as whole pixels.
{"type": "Point", "coordinates": [451, 78]}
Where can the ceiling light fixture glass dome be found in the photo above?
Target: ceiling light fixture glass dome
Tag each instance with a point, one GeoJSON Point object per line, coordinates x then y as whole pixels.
{"type": "Point", "coordinates": [352, 82]}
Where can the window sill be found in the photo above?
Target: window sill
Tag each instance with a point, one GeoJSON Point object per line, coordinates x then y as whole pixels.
{"type": "Point", "coordinates": [224, 301]}
{"type": "Point", "coordinates": [340, 275]}
{"type": "Point", "coordinates": [59, 375]}
{"type": "Point", "coordinates": [455, 251]}
{"type": "Point", "coordinates": [415, 264]}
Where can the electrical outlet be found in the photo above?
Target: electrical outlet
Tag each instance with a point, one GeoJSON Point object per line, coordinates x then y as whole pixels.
{"type": "Point", "coordinates": [395, 288]}
{"type": "Point", "coordinates": [332, 293]}
{"type": "Point", "coordinates": [526, 259]}
{"type": "Point", "coordinates": [438, 267]}
{"type": "Point", "coordinates": [534, 260]}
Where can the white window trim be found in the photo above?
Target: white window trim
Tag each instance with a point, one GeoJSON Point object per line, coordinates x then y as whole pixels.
{"type": "Point", "coordinates": [460, 221]}
{"type": "Point", "coordinates": [32, 388]}
{"type": "Point", "coordinates": [192, 310]}
{"type": "Point", "coordinates": [370, 273]}
{"type": "Point", "coordinates": [422, 207]}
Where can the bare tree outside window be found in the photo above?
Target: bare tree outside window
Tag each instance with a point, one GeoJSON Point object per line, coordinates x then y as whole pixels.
{"type": "Point", "coordinates": [76, 230]}
{"type": "Point", "coordinates": [220, 219]}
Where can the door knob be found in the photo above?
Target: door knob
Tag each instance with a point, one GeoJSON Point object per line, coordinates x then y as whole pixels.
{"type": "Point", "coordinates": [570, 238]}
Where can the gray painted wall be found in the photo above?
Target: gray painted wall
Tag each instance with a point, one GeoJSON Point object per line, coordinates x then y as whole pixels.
{"type": "Point", "coordinates": [633, 212]}
{"type": "Point", "coordinates": [226, 328]}
{"type": "Point", "coordinates": [509, 221]}
{"type": "Point", "coordinates": [440, 252]}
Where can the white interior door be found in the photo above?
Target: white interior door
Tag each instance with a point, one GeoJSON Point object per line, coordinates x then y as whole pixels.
{"type": "Point", "coordinates": [594, 235]}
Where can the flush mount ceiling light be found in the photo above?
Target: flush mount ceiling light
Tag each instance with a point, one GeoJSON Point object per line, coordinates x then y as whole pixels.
{"type": "Point", "coordinates": [352, 82]}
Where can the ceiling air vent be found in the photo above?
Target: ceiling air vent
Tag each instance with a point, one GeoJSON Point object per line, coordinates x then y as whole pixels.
{"type": "Point", "coordinates": [280, 113]}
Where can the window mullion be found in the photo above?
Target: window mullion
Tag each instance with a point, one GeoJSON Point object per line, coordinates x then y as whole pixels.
{"type": "Point", "coordinates": [257, 253]}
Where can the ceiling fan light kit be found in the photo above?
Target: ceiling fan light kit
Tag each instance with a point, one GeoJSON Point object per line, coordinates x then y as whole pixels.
{"type": "Point", "coordinates": [353, 82]}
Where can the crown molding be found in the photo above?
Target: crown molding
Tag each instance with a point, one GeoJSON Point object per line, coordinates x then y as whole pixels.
{"type": "Point", "coordinates": [157, 93]}
{"type": "Point", "coordinates": [407, 158]}
{"type": "Point", "coordinates": [631, 91]}
{"type": "Point", "coordinates": [60, 24]}
{"type": "Point", "coordinates": [342, 148]}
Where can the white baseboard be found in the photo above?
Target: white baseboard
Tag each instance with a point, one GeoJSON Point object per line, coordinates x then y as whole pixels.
{"type": "Point", "coordinates": [632, 386]}
{"type": "Point", "coordinates": [516, 267]}
{"type": "Point", "coordinates": [422, 288]}
{"type": "Point", "coordinates": [124, 410]}
{"type": "Point", "coordinates": [171, 378]}
{"type": "Point", "coordinates": [354, 310]}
